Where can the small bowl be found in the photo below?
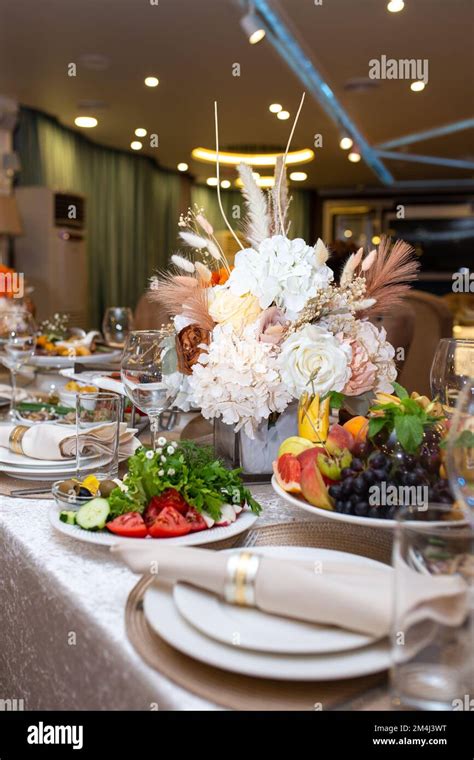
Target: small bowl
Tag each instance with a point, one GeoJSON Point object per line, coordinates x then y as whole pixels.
{"type": "Point", "coordinates": [64, 501]}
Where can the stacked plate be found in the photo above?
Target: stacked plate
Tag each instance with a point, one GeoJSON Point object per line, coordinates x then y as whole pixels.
{"type": "Point", "coordinates": [254, 643]}
{"type": "Point", "coordinates": [26, 468]}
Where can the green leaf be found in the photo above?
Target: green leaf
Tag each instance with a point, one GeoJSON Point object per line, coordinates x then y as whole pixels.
{"type": "Point", "coordinates": [409, 430]}
{"type": "Point", "coordinates": [400, 391]}
{"type": "Point", "coordinates": [376, 424]}
{"type": "Point", "coordinates": [410, 405]}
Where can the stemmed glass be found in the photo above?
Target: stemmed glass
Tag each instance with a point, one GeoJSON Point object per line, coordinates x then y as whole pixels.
{"type": "Point", "coordinates": [150, 374]}
{"type": "Point", "coordinates": [452, 368]}
{"type": "Point", "coordinates": [116, 325]}
{"type": "Point", "coordinates": [460, 454]}
{"type": "Point", "coordinates": [17, 345]}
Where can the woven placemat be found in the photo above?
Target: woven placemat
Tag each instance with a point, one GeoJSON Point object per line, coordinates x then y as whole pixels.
{"type": "Point", "coordinates": [239, 692]}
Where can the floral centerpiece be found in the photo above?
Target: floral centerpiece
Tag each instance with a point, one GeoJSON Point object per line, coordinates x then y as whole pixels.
{"type": "Point", "coordinates": [256, 337]}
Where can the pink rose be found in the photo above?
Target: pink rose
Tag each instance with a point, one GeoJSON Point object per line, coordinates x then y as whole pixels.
{"type": "Point", "coordinates": [363, 371]}
{"type": "Point", "coordinates": [273, 326]}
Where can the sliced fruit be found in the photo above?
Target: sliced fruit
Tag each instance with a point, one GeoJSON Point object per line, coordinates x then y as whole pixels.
{"type": "Point", "coordinates": [339, 439]}
{"type": "Point", "coordinates": [287, 471]}
{"type": "Point", "coordinates": [195, 520]}
{"type": "Point", "coordinates": [294, 445]}
{"type": "Point", "coordinates": [169, 524]}
{"type": "Point", "coordinates": [358, 427]}
{"type": "Point", "coordinates": [313, 418]}
{"type": "Point", "coordinates": [169, 498]}
{"type": "Point", "coordinates": [310, 455]}
{"type": "Point", "coordinates": [313, 487]}
{"type": "Point", "coordinates": [130, 525]}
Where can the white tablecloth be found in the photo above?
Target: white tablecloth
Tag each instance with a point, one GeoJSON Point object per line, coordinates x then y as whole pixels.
{"type": "Point", "coordinates": [62, 630]}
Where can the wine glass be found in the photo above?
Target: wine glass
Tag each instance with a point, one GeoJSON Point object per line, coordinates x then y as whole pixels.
{"type": "Point", "coordinates": [17, 345]}
{"type": "Point", "coordinates": [452, 368]}
{"type": "Point", "coordinates": [460, 453]}
{"type": "Point", "coordinates": [116, 325]}
{"type": "Point", "coordinates": [150, 374]}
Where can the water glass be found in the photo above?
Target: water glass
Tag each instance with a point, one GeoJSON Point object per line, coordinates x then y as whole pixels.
{"type": "Point", "coordinates": [98, 419]}
{"type": "Point", "coordinates": [460, 454]}
{"type": "Point", "coordinates": [116, 325]}
{"type": "Point", "coordinates": [432, 640]}
{"type": "Point", "coordinates": [452, 367]}
{"type": "Point", "coordinates": [17, 345]}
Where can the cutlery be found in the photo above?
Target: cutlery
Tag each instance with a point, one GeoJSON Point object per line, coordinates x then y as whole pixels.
{"type": "Point", "coordinates": [19, 492]}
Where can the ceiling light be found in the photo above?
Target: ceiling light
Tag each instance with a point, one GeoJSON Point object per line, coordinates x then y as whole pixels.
{"type": "Point", "coordinates": [347, 233]}
{"type": "Point", "coordinates": [375, 239]}
{"type": "Point", "coordinates": [229, 158]}
{"type": "Point", "coordinates": [261, 181]}
{"type": "Point", "coordinates": [354, 156]}
{"type": "Point", "coordinates": [298, 176]}
{"type": "Point", "coordinates": [152, 81]}
{"type": "Point", "coordinates": [346, 142]}
{"type": "Point", "coordinates": [85, 121]}
{"type": "Point", "coordinates": [212, 181]}
{"type": "Point", "coordinates": [140, 132]}
{"type": "Point", "coordinates": [417, 86]}
{"type": "Point", "coordinates": [136, 145]}
{"type": "Point", "coordinates": [283, 115]}
{"type": "Point", "coordinates": [252, 27]}
{"type": "Point", "coordinates": [394, 6]}
{"type": "Point", "coordinates": [275, 108]}
{"type": "Point", "coordinates": [225, 184]}
{"type": "Point", "coordinates": [182, 167]}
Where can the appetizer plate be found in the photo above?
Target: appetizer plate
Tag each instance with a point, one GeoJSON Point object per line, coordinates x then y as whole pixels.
{"type": "Point", "coordinates": [61, 362]}
{"type": "Point", "coordinates": [165, 618]}
{"type": "Point", "coordinates": [244, 521]}
{"type": "Point", "coordinates": [261, 631]}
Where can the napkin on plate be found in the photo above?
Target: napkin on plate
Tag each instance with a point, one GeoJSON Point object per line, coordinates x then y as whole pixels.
{"type": "Point", "coordinates": [336, 592]}
{"type": "Point", "coordinates": [44, 441]}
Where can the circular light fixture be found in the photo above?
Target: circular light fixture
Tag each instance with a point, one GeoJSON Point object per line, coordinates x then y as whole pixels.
{"type": "Point", "coordinates": [136, 145]}
{"type": "Point", "coordinates": [346, 142]}
{"type": "Point", "coordinates": [152, 81]}
{"type": "Point", "coordinates": [225, 184]}
{"type": "Point", "coordinates": [394, 6]}
{"type": "Point", "coordinates": [354, 156]}
{"type": "Point", "coordinates": [298, 176]}
{"type": "Point", "coordinates": [347, 233]}
{"type": "Point", "coordinates": [275, 108]}
{"type": "Point", "coordinates": [252, 27]}
{"type": "Point", "coordinates": [229, 158]}
{"type": "Point", "coordinates": [85, 121]}
{"type": "Point", "coordinates": [283, 115]}
{"type": "Point", "coordinates": [182, 167]}
{"type": "Point", "coordinates": [140, 132]}
{"type": "Point", "coordinates": [212, 181]}
{"type": "Point", "coordinates": [417, 86]}
{"type": "Point", "coordinates": [375, 239]}
{"type": "Point", "coordinates": [261, 181]}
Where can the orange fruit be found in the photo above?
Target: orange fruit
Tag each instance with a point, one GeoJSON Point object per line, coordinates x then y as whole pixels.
{"type": "Point", "coordinates": [358, 427]}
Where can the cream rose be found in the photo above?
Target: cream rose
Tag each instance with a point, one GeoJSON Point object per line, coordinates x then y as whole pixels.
{"type": "Point", "coordinates": [313, 360]}
{"type": "Point", "coordinates": [238, 311]}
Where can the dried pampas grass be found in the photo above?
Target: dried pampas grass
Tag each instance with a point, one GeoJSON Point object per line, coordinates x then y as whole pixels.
{"type": "Point", "coordinates": [388, 278]}
{"type": "Point", "coordinates": [179, 294]}
{"type": "Point", "coordinates": [257, 227]}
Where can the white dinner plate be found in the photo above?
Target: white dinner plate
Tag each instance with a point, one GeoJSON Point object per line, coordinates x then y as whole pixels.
{"type": "Point", "coordinates": [165, 618]}
{"type": "Point", "coordinates": [261, 631]}
{"type": "Point", "coordinates": [243, 522]}
{"type": "Point", "coordinates": [61, 362]}
{"type": "Point", "coordinates": [12, 459]}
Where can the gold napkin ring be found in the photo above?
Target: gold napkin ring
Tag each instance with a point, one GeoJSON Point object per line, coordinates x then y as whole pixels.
{"type": "Point", "coordinates": [16, 437]}
{"type": "Point", "coordinates": [241, 572]}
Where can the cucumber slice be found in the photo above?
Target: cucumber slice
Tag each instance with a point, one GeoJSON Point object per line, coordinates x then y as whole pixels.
{"type": "Point", "coordinates": [92, 516]}
{"type": "Point", "coordinates": [68, 517]}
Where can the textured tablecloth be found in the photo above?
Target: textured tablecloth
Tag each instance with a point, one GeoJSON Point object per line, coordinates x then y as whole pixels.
{"type": "Point", "coordinates": [62, 634]}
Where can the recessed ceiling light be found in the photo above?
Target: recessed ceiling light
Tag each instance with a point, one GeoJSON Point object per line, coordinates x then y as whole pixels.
{"type": "Point", "coordinates": [354, 157]}
{"type": "Point", "coordinates": [182, 167]}
{"type": "Point", "coordinates": [212, 181]}
{"type": "Point", "coordinates": [136, 145]}
{"type": "Point", "coordinates": [225, 184]}
{"type": "Point", "coordinates": [85, 121]}
{"type": "Point", "coordinates": [347, 233]}
{"type": "Point", "coordinates": [275, 108]}
{"type": "Point", "coordinates": [298, 176]}
{"type": "Point", "coordinates": [394, 6]}
{"type": "Point", "coordinates": [230, 158]}
{"type": "Point", "coordinates": [152, 81]}
{"type": "Point", "coordinates": [417, 86]}
{"type": "Point", "coordinates": [346, 142]}
{"type": "Point", "coordinates": [283, 115]}
{"type": "Point", "coordinates": [375, 239]}
{"type": "Point", "coordinates": [140, 132]}
{"type": "Point", "coordinates": [253, 28]}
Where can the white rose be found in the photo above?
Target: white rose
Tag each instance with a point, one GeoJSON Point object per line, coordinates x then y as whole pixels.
{"type": "Point", "coordinates": [313, 360]}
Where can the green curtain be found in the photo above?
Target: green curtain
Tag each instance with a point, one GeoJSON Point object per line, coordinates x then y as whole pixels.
{"type": "Point", "coordinates": [206, 198]}
{"type": "Point", "coordinates": [132, 207]}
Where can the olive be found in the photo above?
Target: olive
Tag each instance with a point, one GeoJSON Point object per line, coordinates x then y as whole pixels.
{"type": "Point", "coordinates": [106, 487]}
{"type": "Point", "coordinates": [67, 486]}
{"type": "Point", "coordinates": [84, 492]}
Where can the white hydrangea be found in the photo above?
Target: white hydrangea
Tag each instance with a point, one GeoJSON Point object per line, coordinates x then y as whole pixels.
{"type": "Point", "coordinates": [284, 272]}
{"type": "Point", "coordinates": [238, 380]}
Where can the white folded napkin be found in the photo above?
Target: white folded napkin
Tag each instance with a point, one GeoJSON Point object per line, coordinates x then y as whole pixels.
{"type": "Point", "coordinates": [341, 593]}
{"type": "Point", "coordinates": [43, 441]}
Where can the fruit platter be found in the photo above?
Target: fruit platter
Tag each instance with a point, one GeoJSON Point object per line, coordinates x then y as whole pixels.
{"type": "Point", "coordinates": [179, 493]}
{"type": "Point", "coordinates": [364, 470]}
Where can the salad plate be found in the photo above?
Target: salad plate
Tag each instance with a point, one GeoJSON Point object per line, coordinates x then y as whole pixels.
{"type": "Point", "coordinates": [261, 631]}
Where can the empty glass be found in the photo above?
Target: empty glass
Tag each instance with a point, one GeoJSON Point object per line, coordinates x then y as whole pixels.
{"type": "Point", "coordinates": [98, 418]}
{"type": "Point", "coordinates": [150, 374]}
{"type": "Point", "coordinates": [452, 367]}
{"type": "Point", "coordinates": [17, 345]}
{"type": "Point", "coordinates": [116, 325]}
{"type": "Point", "coordinates": [433, 624]}
{"type": "Point", "coordinates": [460, 454]}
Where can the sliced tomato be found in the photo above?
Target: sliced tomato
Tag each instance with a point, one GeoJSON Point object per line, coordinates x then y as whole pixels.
{"type": "Point", "coordinates": [169, 498]}
{"type": "Point", "coordinates": [168, 524]}
{"type": "Point", "coordinates": [130, 524]}
{"type": "Point", "coordinates": [195, 520]}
